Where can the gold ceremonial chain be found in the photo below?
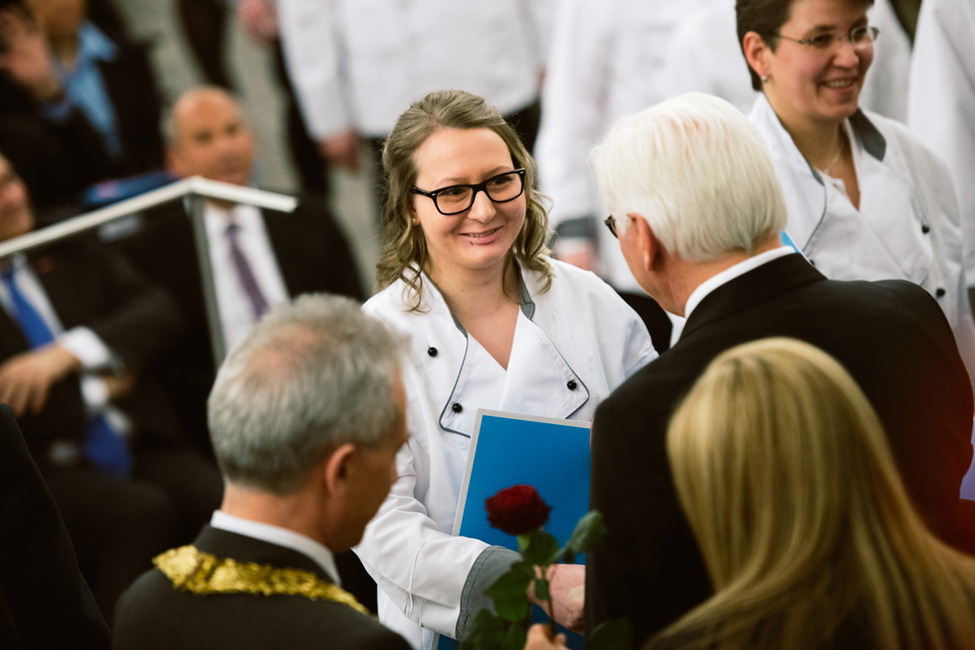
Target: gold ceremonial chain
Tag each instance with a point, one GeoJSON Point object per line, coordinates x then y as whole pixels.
{"type": "Point", "coordinates": [190, 569]}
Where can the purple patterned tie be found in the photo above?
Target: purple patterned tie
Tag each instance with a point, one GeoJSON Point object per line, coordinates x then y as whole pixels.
{"type": "Point", "coordinates": [246, 274]}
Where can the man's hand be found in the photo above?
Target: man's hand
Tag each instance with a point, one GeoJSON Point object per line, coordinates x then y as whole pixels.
{"type": "Point", "coordinates": [27, 60]}
{"type": "Point", "coordinates": [118, 386]}
{"type": "Point", "coordinates": [26, 379]}
{"type": "Point", "coordinates": [539, 639]}
{"type": "Point", "coordinates": [341, 150]}
{"type": "Point", "coordinates": [259, 18]}
{"type": "Point", "coordinates": [581, 253]}
{"type": "Point", "coordinates": [567, 583]}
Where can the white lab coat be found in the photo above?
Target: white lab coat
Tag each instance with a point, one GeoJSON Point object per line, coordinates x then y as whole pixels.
{"type": "Point", "coordinates": [941, 108]}
{"type": "Point", "coordinates": [906, 227]}
{"type": "Point", "coordinates": [607, 60]}
{"type": "Point", "coordinates": [705, 56]}
{"type": "Point", "coordinates": [360, 63]}
{"type": "Point", "coordinates": [573, 345]}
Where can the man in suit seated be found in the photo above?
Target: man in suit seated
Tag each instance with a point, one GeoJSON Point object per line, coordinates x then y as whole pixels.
{"type": "Point", "coordinates": [306, 417]}
{"type": "Point", "coordinates": [259, 257]}
{"type": "Point", "coordinates": [77, 326]}
{"type": "Point", "coordinates": [698, 210]}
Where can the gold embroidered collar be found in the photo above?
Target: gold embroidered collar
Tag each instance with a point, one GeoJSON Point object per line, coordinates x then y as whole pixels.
{"type": "Point", "coordinates": [192, 570]}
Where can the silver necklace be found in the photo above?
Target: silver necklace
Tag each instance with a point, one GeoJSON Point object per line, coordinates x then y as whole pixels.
{"type": "Point", "coordinates": [836, 158]}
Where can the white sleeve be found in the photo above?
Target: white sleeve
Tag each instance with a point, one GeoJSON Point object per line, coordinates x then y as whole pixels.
{"type": "Point", "coordinates": [420, 567]}
{"type": "Point", "coordinates": [574, 97]}
{"type": "Point", "coordinates": [941, 102]}
{"type": "Point", "coordinates": [88, 348]}
{"type": "Point", "coordinates": [313, 51]}
{"type": "Point", "coordinates": [541, 16]}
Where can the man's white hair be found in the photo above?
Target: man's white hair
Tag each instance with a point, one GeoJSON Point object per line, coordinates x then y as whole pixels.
{"type": "Point", "coordinates": [697, 170]}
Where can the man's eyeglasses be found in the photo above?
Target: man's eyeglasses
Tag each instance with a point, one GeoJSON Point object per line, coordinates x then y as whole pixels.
{"type": "Point", "coordinates": [611, 224]}
{"type": "Point", "coordinates": [458, 198]}
{"type": "Point", "coordinates": [859, 37]}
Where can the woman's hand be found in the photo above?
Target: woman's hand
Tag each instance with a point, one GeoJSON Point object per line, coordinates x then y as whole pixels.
{"type": "Point", "coordinates": [539, 639]}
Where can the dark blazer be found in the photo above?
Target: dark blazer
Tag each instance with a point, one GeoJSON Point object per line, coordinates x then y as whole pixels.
{"type": "Point", "coordinates": [153, 615]}
{"type": "Point", "coordinates": [893, 339]}
{"type": "Point", "coordinates": [130, 84]}
{"type": "Point", "coordinates": [88, 285]}
{"type": "Point", "coordinates": [44, 601]}
{"type": "Point", "coordinates": [311, 252]}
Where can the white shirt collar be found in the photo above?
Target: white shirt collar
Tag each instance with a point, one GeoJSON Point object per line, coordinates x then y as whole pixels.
{"type": "Point", "coordinates": [280, 536]}
{"type": "Point", "coordinates": [731, 273]}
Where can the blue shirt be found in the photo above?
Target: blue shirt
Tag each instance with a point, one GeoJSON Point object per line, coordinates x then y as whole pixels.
{"type": "Point", "coordinates": [84, 86]}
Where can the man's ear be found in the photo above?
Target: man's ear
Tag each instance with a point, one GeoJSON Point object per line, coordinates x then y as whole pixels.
{"type": "Point", "coordinates": [647, 243]}
{"type": "Point", "coordinates": [338, 468]}
{"type": "Point", "coordinates": [756, 53]}
{"type": "Point", "coordinates": [173, 163]}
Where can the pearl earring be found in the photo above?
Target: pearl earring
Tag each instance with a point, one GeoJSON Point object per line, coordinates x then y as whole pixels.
{"type": "Point", "coordinates": [764, 78]}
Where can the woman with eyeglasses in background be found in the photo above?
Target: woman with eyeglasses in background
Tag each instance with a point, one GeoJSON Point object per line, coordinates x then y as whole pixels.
{"type": "Point", "coordinates": [866, 200]}
{"type": "Point", "coordinates": [494, 323]}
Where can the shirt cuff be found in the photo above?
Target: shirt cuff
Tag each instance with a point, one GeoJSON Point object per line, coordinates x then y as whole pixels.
{"type": "Point", "coordinates": [95, 393]}
{"type": "Point", "coordinates": [90, 350]}
{"type": "Point", "coordinates": [491, 564]}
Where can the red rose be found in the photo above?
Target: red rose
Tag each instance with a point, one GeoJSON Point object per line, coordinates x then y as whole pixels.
{"type": "Point", "coordinates": [517, 510]}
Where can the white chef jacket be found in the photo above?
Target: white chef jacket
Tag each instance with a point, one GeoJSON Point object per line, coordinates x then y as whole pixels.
{"type": "Point", "coordinates": [360, 63]}
{"type": "Point", "coordinates": [885, 87]}
{"type": "Point", "coordinates": [906, 227]}
{"type": "Point", "coordinates": [941, 108]}
{"type": "Point", "coordinates": [573, 345]}
{"type": "Point", "coordinates": [705, 56]}
{"type": "Point", "coordinates": [607, 60]}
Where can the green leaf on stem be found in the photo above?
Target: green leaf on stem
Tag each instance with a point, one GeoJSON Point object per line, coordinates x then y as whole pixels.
{"type": "Point", "coordinates": [589, 530]}
{"type": "Point", "coordinates": [538, 547]}
{"type": "Point", "coordinates": [525, 568]}
{"type": "Point", "coordinates": [486, 632]}
{"type": "Point", "coordinates": [542, 591]}
{"type": "Point", "coordinates": [514, 638]}
{"type": "Point", "coordinates": [614, 634]}
{"type": "Point", "coordinates": [510, 594]}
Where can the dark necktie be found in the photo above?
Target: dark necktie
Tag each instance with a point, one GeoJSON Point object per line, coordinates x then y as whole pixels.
{"type": "Point", "coordinates": [101, 445]}
{"type": "Point", "coordinates": [245, 274]}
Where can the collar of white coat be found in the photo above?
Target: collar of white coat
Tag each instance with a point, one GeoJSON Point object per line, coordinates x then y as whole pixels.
{"type": "Point", "coordinates": [780, 143]}
{"type": "Point", "coordinates": [538, 380]}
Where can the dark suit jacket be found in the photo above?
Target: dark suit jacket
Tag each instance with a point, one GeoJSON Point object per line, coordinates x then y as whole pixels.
{"type": "Point", "coordinates": [88, 285]}
{"type": "Point", "coordinates": [130, 84]}
{"type": "Point", "coordinates": [44, 601]}
{"type": "Point", "coordinates": [153, 615]}
{"type": "Point", "coordinates": [893, 339]}
{"type": "Point", "coordinates": [311, 252]}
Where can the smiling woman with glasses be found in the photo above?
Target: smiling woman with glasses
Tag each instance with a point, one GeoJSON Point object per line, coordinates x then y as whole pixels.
{"type": "Point", "coordinates": [494, 323]}
{"type": "Point", "coordinates": [866, 200]}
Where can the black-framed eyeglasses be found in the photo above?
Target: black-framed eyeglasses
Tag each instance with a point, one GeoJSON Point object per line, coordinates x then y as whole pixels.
{"type": "Point", "coordinates": [611, 224]}
{"type": "Point", "coordinates": [859, 38]}
{"type": "Point", "coordinates": [458, 198]}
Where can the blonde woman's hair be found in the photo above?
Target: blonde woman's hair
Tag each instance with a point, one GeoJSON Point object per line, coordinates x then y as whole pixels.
{"type": "Point", "coordinates": [404, 252]}
{"type": "Point", "coordinates": [784, 473]}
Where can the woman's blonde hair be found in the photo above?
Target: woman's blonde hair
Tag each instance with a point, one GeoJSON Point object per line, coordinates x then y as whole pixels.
{"type": "Point", "coordinates": [784, 473]}
{"type": "Point", "coordinates": [404, 252]}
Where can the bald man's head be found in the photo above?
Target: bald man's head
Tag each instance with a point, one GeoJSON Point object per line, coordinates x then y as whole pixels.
{"type": "Point", "coordinates": [209, 137]}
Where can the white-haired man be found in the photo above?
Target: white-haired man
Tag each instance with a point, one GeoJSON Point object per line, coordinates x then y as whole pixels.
{"type": "Point", "coordinates": [306, 417]}
{"type": "Point", "coordinates": [698, 210]}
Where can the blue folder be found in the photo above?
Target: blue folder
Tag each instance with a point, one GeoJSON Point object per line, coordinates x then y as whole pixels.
{"type": "Point", "coordinates": [510, 449]}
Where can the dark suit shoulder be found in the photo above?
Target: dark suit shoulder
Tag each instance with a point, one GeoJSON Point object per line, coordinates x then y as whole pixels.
{"type": "Point", "coordinates": [152, 614]}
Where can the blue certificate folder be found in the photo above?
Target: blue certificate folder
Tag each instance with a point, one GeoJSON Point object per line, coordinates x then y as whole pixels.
{"type": "Point", "coordinates": [509, 449]}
